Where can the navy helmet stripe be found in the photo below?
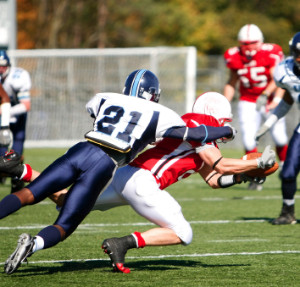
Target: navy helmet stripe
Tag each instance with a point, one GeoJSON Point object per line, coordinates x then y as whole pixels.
{"type": "Point", "coordinates": [135, 84]}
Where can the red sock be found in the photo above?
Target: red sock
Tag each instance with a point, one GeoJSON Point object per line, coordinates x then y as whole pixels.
{"type": "Point", "coordinates": [250, 151]}
{"type": "Point", "coordinates": [140, 240]}
{"type": "Point", "coordinates": [281, 152]}
{"type": "Point", "coordinates": [28, 174]}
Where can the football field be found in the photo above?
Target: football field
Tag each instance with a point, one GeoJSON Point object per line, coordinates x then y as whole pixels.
{"type": "Point", "coordinates": [233, 245]}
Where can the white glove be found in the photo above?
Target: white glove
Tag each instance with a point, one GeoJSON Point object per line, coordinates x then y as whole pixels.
{"type": "Point", "coordinates": [267, 158]}
{"type": "Point", "coordinates": [258, 180]}
{"type": "Point", "coordinates": [261, 101]}
{"type": "Point", "coordinates": [262, 130]}
{"type": "Point", "coordinates": [5, 137]}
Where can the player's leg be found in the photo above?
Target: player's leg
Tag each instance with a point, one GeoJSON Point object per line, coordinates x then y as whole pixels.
{"type": "Point", "coordinates": [279, 135]}
{"type": "Point", "coordinates": [142, 193]}
{"type": "Point", "coordinates": [74, 166]}
{"type": "Point", "coordinates": [289, 175]}
{"type": "Point", "coordinates": [249, 120]}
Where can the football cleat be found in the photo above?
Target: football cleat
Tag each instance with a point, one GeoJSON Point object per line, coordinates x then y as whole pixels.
{"type": "Point", "coordinates": [16, 184]}
{"type": "Point", "coordinates": [23, 250]}
{"type": "Point", "coordinates": [11, 164]}
{"type": "Point", "coordinates": [116, 249]}
{"type": "Point", "coordinates": [287, 216]}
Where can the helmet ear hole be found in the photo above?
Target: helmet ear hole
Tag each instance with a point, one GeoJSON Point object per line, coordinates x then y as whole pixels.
{"type": "Point", "coordinates": [142, 84]}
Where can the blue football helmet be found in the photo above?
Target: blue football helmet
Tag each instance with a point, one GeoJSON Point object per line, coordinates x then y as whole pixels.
{"type": "Point", "coordinates": [142, 84]}
{"type": "Point", "coordinates": [4, 62]}
{"type": "Point", "coordinates": [295, 48]}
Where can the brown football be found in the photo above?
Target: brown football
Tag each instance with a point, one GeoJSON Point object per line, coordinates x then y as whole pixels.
{"type": "Point", "coordinates": [259, 172]}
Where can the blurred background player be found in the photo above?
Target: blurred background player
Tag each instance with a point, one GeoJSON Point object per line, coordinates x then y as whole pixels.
{"type": "Point", "coordinates": [5, 132]}
{"type": "Point", "coordinates": [287, 76]}
{"type": "Point", "coordinates": [251, 66]}
{"type": "Point", "coordinates": [17, 84]}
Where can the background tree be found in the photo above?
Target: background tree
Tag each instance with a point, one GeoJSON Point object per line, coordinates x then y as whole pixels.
{"type": "Point", "coordinates": [211, 26]}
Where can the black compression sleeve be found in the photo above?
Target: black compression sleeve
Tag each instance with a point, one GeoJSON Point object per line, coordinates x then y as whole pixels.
{"type": "Point", "coordinates": [201, 134]}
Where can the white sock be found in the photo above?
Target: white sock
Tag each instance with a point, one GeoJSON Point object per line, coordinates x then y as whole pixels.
{"type": "Point", "coordinates": [38, 243]}
{"type": "Point", "coordinates": [289, 202]}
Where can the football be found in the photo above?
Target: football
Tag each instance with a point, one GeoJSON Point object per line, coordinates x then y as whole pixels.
{"type": "Point", "coordinates": [259, 172]}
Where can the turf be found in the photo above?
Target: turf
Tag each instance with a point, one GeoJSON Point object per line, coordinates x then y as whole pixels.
{"type": "Point", "coordinates": [234, 244]}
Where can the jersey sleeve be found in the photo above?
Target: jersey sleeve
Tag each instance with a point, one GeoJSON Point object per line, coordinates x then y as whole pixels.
{"type": "Point", "coordinates": [274, 53]}
{"type": "Point", "coordinates": [21, 83]}
{"type": "Point", "coordinates": [232, 59]}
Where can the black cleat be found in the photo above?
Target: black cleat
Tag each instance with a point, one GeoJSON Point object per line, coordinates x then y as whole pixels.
{"type": "Point", "coordinates": [116, 249]}
{"type": "Point", "coordinates": [16, 184]}
{"type": "Point", "coordinates": [287, 216]}
{"type": "Point", "coordinates": [23, 250]}
{"type": "Point", "coordinates": [11, 164]}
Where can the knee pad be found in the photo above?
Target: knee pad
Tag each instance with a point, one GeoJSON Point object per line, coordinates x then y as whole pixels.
{"type": "Point", "coordinates": [185, 232]}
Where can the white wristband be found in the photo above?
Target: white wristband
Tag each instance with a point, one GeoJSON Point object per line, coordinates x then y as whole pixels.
{"type": "Point", "coordinates": [5, 114]}
{"type": "Point", "coordinates": [18, 110]}
{"type": "Point", "coordinates": [277, 100]}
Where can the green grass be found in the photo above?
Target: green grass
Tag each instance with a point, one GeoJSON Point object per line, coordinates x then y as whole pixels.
{"type": "Point", "coordinates": [234, 244]}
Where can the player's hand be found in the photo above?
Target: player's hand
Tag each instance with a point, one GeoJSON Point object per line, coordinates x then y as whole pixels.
{"type": "Point", "coordinates": [258, 180]}
{"type": "Point", "coordinates": [267, 158]}
{"type": "Point", "coordinates": [5, 137]}
{"type": "Point", "coordinates": [261, 101]}
{"type": "Point", "coordinates": [234, 132]}
{"type": "Point", "coordinates": [262, 130]}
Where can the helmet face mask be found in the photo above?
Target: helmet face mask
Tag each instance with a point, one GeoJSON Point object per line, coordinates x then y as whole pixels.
{"type": "Point", "coordinates": [251, 39]}
{"type": "Point", "coordinates": [295, 49]}
{"type": "Point", "coordinates": [142, 84]}
{"type": "Point", "coordinates": [4, 64]}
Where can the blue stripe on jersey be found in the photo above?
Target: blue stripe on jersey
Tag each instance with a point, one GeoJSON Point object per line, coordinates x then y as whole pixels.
{"type": "Point", "coordinates": [135, 84]}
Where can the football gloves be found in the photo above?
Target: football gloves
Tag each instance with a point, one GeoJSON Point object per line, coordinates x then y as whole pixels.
{"type": "Point", "coordinates": [267, 158]}
{"type": "Point", "coordinates": [261, 101]}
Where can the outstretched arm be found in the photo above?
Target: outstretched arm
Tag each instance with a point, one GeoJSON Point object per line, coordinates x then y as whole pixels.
{"type": "Point", "coordinates": [201, 134]}
{"type": "Point", "coordinates": [280, 111]}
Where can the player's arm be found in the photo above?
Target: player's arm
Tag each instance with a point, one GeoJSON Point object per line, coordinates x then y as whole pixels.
{"type": "Point", "coordinates": [267, 92]}
{"type": "Point", "coordinates": [201, 134]}
{"type": "Point", "coordinates": [5, 133]}
{"type": "Point", "coordinates": [229, 88]}
{"type": "Point", "coordinates": [280, 111]}
{"type": "Point", "coordinates": [213, 157]}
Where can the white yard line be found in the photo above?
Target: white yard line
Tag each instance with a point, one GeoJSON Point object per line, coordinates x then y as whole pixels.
{"type": "Point", "coordinates": [173, 256]}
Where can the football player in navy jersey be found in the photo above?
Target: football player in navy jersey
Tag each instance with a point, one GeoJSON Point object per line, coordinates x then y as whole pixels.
{"type": "Point", "coordinates": [141, 183]}
{"type": "Point", "coordinates": [287, 76]}
{"type": "Point", "coordinates": [123, 126]}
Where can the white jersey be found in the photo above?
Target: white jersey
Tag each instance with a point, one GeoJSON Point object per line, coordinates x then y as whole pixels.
{"type": "Point", "coordinates": [128, 124]}
{"type": "Point", "coordinates": [286, 78]}
{"type": "Point", "coordinates": [17, 85]}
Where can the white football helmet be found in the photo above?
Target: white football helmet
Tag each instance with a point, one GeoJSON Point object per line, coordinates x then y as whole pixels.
{"type": "Point", "coordinates": [250, 38]}
{"type": "Point", "coordinates": [213, 104]}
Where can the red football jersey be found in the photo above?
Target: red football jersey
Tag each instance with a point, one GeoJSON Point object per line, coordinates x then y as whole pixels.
{"type": "Point", "coordinates": [171, 159]}
{"type": "Point", "coordinates": [254, 74]}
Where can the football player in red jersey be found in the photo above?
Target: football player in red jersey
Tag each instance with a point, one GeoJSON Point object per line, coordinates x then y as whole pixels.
{"type": "Point", "coordinates": [141, 184]}
{"type": "Point", "coordinates": [251, 66]}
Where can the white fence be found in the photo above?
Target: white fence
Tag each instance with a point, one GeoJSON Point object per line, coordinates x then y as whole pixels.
{"type": "Point", "coordinates": [64, 80]}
